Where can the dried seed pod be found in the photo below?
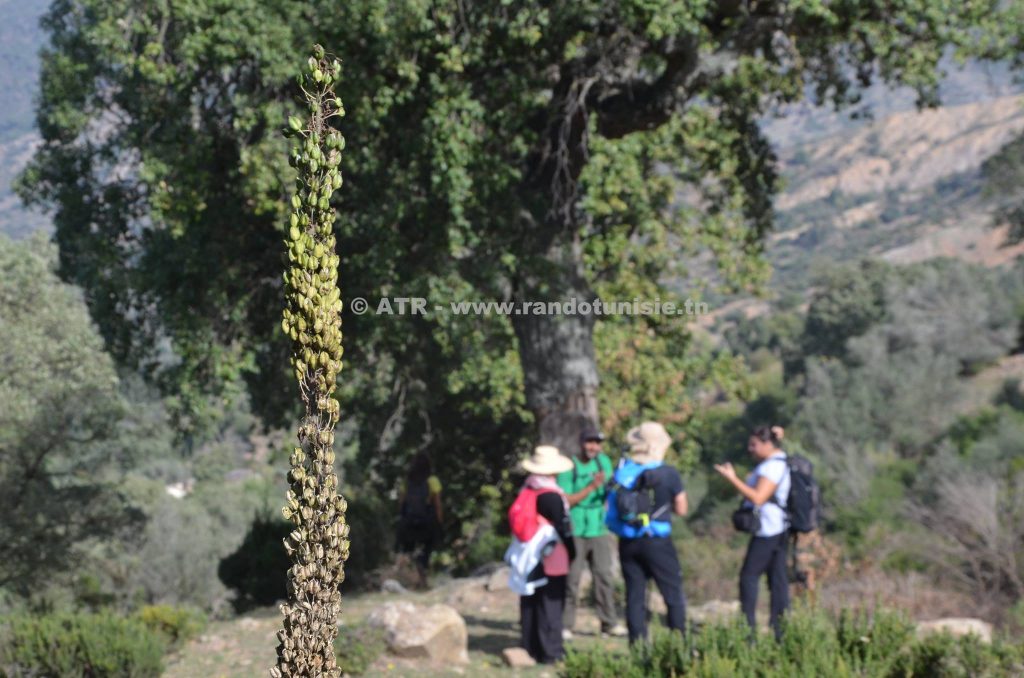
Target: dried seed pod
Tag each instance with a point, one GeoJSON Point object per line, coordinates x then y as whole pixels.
{"type": "Point", "coordinates": [311, 320]}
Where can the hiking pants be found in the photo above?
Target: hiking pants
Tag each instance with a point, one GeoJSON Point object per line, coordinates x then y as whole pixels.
{"type": "Point", "coordinates": [597, 552]}
{"type": "Point", "coordinates": [651, 558]}
{"type": "Point", "coordinates": [765, 555]}
{"type": "Point", "coordinates": [540, 619]}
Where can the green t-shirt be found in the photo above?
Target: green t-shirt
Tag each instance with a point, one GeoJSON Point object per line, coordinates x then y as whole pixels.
{"type": "Point", "coordinates": [588, 515]}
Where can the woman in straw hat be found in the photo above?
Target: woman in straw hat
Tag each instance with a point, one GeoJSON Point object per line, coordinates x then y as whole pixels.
{"type": "Point", "coordinates": [542, 501]}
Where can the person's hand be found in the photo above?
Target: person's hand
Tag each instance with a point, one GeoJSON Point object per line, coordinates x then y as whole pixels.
{"type": "Point", "coordinates": [598, 480]}
{"type": "Point", "coordinates": [727, 471]}
{"type": "Point", "coordinates": [779, 432]}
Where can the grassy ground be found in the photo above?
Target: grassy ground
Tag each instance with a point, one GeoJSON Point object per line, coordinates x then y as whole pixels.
{"type": "Point", "coordinates": [245, 647]}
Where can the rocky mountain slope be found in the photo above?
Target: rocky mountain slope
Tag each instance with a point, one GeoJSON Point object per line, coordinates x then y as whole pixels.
{"type": "Point", "coordinates": [906, 187]}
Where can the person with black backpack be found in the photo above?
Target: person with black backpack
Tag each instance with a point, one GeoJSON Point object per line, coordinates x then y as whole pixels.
{"type": "Point", "coordinates": [420, 514]}
{"type": "Point", "coordinates": [644, 495]}
{"type": "Point", "coordinates": [763, 514]}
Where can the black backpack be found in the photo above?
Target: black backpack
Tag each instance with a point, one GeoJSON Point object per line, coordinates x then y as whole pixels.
{"type": "Point", "coordinates": [635, 505]}
{"type": "Point", "coordinates": [803, 508]}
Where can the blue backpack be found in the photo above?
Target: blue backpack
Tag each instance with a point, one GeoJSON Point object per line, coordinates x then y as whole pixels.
{"type": "Point", "coordinates": [631, 509]}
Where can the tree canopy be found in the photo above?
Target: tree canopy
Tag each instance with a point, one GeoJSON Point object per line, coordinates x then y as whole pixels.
{"type": "Point", "coordinates": [515, 151]}
{"type": "Point", "coordinates": [64, 433]}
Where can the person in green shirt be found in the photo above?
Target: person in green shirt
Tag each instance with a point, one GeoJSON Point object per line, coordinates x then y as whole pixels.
{"type": "Point", "coordinates": [584, 486]}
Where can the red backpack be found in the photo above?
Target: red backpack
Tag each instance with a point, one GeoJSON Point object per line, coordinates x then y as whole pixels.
{"type": "Point", "coordinates": [523, 517]}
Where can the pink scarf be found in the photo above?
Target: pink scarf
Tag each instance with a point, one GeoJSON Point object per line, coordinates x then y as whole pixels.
{"type": "Point", "coordinates": [547, 484]}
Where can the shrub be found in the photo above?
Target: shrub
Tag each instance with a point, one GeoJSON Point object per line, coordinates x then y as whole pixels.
{"type": "Point", "coordinates": [256, 571]}
{"type": "Point", "coordinates": [80, 646]}
{"type": "Point", "coordinates": [813, 645]}
{"type": "Point", "coordinates": [357, 647]}
{"type": "Point", "coordinates": [371, 521]}
{"type": "Point", "coordinates": [175, 624]}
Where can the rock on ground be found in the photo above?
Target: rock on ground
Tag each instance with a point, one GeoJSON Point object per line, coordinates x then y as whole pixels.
{"type": "Point", "coordinates": [517, 657]}
{"type": "Point", "coordinates": [437, 633]}
{"type": "Point", "coordinates": [392, 586]}
{"type": "Point", "coordinates": [956, 626]}
{"type": "Point", "coordinates": [481, 595]}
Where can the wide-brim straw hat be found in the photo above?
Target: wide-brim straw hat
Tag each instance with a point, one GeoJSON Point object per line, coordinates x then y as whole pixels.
{"type": "Point", "coordinates": [546, 460]}
{"type": "Point", "coordinates": [648, 442]}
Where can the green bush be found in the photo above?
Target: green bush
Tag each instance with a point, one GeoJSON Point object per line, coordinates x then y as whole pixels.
{"type": "Point", "coordinates": [813, 645]}
{"type": "Point", "coordinates": [175, 624]}
{"type": "Point", "coordinates": [357, 647]}
{"type": "Point", "coordinates": [256, 570]}
{"type": "Point", "coordinates": [68, 645]}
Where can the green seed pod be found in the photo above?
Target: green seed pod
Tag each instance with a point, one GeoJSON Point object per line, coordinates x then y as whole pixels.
{"type": "Point", "coordinates": [295, 123]}
{"type": "Point", "coordinates": [318, 546]}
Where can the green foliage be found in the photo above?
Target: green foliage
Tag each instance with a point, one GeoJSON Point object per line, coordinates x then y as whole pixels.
{"type": "Point", "coordinates": [618, 140]}
{"type": "Point", "coordinates": [1004, 176]}
{"type": "Point", "coordinates": [80, 646]}
{"type": "Point", "coordinates": [357, 647]}
{"type": "Point", "coordinates": [851, 300]}
{"type": "Point", "coordinates": [888, 379]}
{"type": "Point", "coordinates": [63, 438]}
{"type": "Point", "coordinates": [255, 572]}
{"type": "Point", "coordinates": [883, 645]}
{"type": "Point", "coordinates": [947, 657]}
{"type": "Point", "coordinates": [176, 624]}
{"type": "Point", "coordinates": [485, 535]}
{"type": "Point", "coordinates": [372, 526]}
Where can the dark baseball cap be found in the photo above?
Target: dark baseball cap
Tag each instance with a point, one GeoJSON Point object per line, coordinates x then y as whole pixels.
{"type": "Point", "coordinates": [590, 432]}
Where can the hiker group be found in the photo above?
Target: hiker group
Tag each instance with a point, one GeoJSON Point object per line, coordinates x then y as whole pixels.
{"type": "Point", "coordinates": [563, 519]}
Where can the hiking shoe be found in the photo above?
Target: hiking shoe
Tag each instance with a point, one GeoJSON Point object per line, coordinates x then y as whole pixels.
{"type": "Point", "coordinates": [618, 631]}
{"type": "Point", "coordinates": [566, 634]}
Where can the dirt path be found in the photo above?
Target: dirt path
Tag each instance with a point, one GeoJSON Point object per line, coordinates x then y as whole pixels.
{"type": "Point", "coordinates": [245, 647]}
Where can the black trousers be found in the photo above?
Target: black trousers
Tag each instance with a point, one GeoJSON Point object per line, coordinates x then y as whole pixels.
{"type": "Point", "coordinates": [765, 555]}
{"type": "Point", "coordinates": [540, 618]}
{"type": "Point", "coordinates": [651, 558]}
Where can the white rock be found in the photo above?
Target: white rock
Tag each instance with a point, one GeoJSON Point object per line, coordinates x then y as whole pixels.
{"type": "Point", "coordinates": [957, 626]}
{"type": "Point", "coordinates": [436, 633]}
{"type": "Point", "coordinates": [517, 657]}
{"type": "Point", "coordinates": [392, 586]}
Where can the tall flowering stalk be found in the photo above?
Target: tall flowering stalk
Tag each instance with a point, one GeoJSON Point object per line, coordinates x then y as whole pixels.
{"type": "Point", "coordinates": [318, 546]}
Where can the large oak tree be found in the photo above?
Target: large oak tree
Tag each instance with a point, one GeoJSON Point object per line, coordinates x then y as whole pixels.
{"type": "Point", "coordinates": [500, 150]}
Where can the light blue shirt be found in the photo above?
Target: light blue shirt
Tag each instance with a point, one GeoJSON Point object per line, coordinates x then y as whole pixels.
{"type": "Point", "coordinates": [773, 516]}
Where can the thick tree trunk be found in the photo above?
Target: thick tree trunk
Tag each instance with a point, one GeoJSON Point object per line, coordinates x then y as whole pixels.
{"type": "Point", "coordinates": [557, 350]}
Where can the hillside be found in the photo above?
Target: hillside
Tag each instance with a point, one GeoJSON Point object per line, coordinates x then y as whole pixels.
{"type": "Point", "coordinates": [20, 40]}
{"type": "Point", "coordinates": [905, 188]}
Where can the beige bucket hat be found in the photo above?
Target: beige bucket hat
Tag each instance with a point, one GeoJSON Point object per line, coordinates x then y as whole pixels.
{"type": "Point", "coordinates": [546, 460]}
{"type": "Point", "coordinates": [648, 442]}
